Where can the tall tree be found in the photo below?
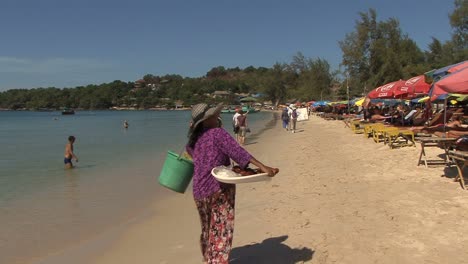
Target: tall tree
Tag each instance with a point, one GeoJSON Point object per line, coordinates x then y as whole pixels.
{"type": "Point", "coordinates": [459, 23]}
{"type": "Point", "coordinates": [377, 52]}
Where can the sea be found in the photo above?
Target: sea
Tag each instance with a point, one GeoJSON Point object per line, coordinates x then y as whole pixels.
{"type": "Point", "coordinates": [45, 209]}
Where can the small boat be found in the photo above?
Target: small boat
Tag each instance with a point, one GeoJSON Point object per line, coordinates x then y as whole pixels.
{"type": "Point", "coordinates": [245, 109]}
{"type": "Point", "coordinates": [68, 111]}
{"type": "Point", "coordinates": [229, 109]}
{"type": "Point", "coordinates": [249, 109]}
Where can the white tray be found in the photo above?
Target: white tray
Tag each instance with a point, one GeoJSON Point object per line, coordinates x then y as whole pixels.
{"type": "Point", "coordinates": [234, 178]}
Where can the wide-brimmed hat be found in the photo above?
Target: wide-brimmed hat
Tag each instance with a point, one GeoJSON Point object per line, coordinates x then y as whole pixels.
{"type": "Point", "coordinates": [201, 112]}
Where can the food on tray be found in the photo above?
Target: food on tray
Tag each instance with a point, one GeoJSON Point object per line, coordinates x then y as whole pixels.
{"type": "Point", "coordinates": [245, 172]}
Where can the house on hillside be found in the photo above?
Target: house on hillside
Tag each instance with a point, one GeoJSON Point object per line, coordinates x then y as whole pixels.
{"type": "Point", "coordinates": [221, 94]}
{"type": "Point", "coordinates": [139, 84]}
{"type": "Point", "coordinates": [179, 104]}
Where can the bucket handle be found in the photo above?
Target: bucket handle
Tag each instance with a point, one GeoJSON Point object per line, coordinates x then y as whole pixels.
{"type": "Point", "coordinates": [181, 152]}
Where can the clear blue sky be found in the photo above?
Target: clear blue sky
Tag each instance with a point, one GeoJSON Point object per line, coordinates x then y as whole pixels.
{"type": "Point", "coordinates": [54, 43]}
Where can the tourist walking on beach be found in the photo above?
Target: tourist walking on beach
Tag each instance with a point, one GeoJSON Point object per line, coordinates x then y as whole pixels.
{"type": "Point", "coordinates": [69, 155]}
{"type": "Point", "coordinates": [234, 124]}
{"type": "Point", "coordinates": [293, 120]}
{"type": "Point", "coordinates": [242, 123]}
{"type": "Point", "coordinates": [285, 118]}
{"type": "Point", "coordinates": [290, 108]}
{"type": "Point", "coordinates": [211, 146]}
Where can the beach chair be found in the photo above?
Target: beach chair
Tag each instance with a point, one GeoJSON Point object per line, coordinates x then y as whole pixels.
{"type": "Point", "coordinates": [437, 119]}
{"type": "Point", "coordinates": [402, 138]}
{"type": "Point", "coordinates": [378, 133]}
{"type": "Point", "coordinates": [418, 119]}
{"type": "Point", "coordinates": [369, 130]}
{"type": "Point", "coordinates": [390, 134]}
{"type": "Point", "coordinates": [408, 119]}
{"type": "Point", "coordinates": [355, 126]}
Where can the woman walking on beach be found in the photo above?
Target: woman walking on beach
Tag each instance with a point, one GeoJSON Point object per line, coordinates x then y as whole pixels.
{"type": "Point", "coordinates": [211, 146]}
{"type": "Point", "coordinates": [242, 123]}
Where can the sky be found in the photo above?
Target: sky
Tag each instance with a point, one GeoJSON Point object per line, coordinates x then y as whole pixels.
{"type": "Point", "coordinates": [63, 43]}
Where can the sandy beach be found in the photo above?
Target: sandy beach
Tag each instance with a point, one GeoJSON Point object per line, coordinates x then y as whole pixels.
{"type": "Point", "coordinates": [339, 198]}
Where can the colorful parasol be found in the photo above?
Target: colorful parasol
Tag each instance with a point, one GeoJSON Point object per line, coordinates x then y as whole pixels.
{"type": "Point", "coordinates": [456, 82]}
{"type": "Point", "coordinates": [386, 91]}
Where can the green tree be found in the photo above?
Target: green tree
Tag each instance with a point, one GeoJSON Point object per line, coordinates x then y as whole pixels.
{"type": "Point", "coordinates": [459, 23]}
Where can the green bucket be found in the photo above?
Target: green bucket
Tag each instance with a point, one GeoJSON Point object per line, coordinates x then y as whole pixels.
{"type": "Point", "coordinates": [176, 172]}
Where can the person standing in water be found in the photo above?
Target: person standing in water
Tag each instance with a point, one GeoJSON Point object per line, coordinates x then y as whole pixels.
{"type": "Point", "coordinates": [125, 124]}
{"type": "Point", "coordinates": [69, 155]}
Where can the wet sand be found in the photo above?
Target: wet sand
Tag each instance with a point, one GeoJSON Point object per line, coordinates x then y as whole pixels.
{"type": "Point", "coordinates": [339, 198]}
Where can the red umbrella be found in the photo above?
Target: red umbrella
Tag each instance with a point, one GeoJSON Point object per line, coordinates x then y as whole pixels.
{"type": "Point", "coordinates": [456, 82]}
{"type": "Point", "coordinates": [412, 88]}
{"type": "Point", "coordinates": [386, 91]}
{"type": "Point", "coordinates": [458, 67]}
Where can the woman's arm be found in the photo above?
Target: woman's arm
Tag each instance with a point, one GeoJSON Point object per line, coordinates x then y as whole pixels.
{"type": "Point", "coordinates": [271, 171]}
{"type": "Point", "coordinates": [231, 148]}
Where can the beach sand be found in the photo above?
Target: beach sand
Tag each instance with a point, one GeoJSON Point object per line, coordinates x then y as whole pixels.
{"type": "Point", "coordinates": [339, 198]}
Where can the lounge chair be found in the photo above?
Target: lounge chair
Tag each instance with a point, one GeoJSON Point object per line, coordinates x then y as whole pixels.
{"type": "Point", "coordinates": [400, 138]}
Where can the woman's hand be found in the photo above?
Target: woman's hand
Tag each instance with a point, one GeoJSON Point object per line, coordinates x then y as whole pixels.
{"type": "Point", "coordinates": [271, 171]}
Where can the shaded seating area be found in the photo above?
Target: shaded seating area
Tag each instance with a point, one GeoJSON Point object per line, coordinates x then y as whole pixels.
{"type": "Point", "coordinates": [460, 159]}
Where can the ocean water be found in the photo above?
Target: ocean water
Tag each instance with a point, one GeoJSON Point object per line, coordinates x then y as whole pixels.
{"type": "Point", "coordinates": [45, 209]}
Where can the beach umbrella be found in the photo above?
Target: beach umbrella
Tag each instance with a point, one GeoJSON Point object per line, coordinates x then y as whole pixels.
{"type": "Point", "coordinates": [385, 91]}
{"type": "Point", "coordinates": [420, 100]}
{"type": "Point", "coordinates": [359, 102]}
{"type": "Point", "coordinates": [458, 67]}
{"type": "Point", "coordinates": [248, 99]}
{"type": "Point", "coordinates": [439, 73]}
{"type": "Point", "coordinates": [456, 82]}
{"type": "Point", "coordinates": [320, 103]}
{"type": "Point", "coordinates": [412, 88]}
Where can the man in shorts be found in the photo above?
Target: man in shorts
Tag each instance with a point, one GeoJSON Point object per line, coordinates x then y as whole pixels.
{"type": "Point", "coordinates": [69, 155]}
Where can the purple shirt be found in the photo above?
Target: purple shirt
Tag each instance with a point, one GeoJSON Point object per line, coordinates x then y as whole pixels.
{"type": "Point", "coordinates": [215, 147]}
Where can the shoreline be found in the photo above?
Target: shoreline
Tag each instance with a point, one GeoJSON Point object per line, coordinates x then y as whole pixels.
{"type": "Point", "coordinates": [339, 198]}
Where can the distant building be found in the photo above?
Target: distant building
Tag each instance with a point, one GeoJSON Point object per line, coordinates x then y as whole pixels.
{"type": "Point", "coordinates": [179, 104]}
{"type": "Point", "coordinates": [221, 94]}
{"type": "Point", "coordinates": [139, 84]}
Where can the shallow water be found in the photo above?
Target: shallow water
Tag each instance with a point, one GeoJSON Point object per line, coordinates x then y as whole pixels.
{"type": "Point", "coordinates": [45, 208]}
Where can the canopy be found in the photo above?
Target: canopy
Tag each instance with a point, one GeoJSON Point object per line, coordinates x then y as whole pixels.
{"type": "Point", "coordinates": [345, 102]}
{"type": "Point", "coordinates": [412, 88]}
{"type": "Point", "coordinates": [439, 73]}
{"type": "Point", "coordinates": [320, 103]}
{"type": "Point", "coordinates": [451, 98]}
{"type": "Point", "coordinates": [248, 99]}
{"type": "Point", "coordinates": [420, 100]}
{"type": "Point", "coordinates": [458, 67]}
{"type": "Point", "coordinates": [386, 91]}
{"type": "Point", "coordinates": [359, 102]}
{"type": "Point", "coordinates": [456, 82]}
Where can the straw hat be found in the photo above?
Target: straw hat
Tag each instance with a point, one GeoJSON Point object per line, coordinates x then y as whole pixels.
{"type": "Point", "coordinates": [201, 112]}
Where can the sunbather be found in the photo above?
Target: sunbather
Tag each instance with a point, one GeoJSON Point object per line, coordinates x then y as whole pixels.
{"type": "Point", "coordinates": [455, 124]}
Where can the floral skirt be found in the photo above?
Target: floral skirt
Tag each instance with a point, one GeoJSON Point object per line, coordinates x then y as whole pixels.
{"type": "Point", "coordinates": [217, 224]}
